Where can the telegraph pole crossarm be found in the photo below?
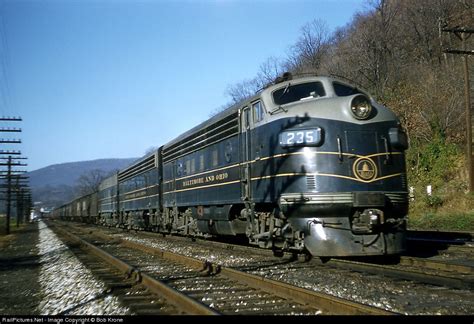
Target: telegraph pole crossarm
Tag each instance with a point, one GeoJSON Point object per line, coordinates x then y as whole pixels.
{"type": "Point", "coordinates": [10, 130]}
{"type": "Point", "coordinates": [6, 152]}
{"type": "Point", "coordinates": [10, 141]}
{"type": "Point", "coordinates": [4, 118]}
{"type": "Point", "coordinates": [455, 51]}
{"type": "Point", "coordinates": [11, 180]}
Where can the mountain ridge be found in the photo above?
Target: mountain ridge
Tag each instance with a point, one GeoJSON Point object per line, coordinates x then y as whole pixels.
{"type": "Point", "coordinates": [55, 184]}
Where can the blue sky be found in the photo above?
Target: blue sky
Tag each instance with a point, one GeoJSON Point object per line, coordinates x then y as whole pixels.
{"type": "Point", "coordinates": [109, 79]}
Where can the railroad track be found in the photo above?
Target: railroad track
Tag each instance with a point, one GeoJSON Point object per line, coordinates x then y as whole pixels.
{"type": "Point", "coordinates": [452, 237]}
{"type": "Point", "coordinates": [140, 293]}
{"type": "Point", "coordinates": [433, 242]}
{"type": "Point", "coordinates": [418, 269]}
{"type": "Point", "coordinates": [414, 269]}
{"type": "Point", "coordinates": [209, 288]}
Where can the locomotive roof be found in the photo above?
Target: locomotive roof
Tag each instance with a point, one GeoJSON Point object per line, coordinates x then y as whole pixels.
{"type": "Point", "coordinates": [322, 78]}
{"type": "Point", "coordinates": [232, 109]}
{"type": "Point", "coordinates": [138, 161]}
{"type": "Point", "coordinates": [221, 115]}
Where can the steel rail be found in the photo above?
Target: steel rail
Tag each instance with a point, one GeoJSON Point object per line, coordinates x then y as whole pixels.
{"type": "Point", "coordinates": [453, 268]}
{"type": "Point", "coordinates": [460, 281]}
{"type": "Point", "coordinates": [181, 301]}
{"type": "Point", "coordinates": [436, 265]}
{"type": "Point", "coordinates": [326, 303]}
{"type": "Point", "coordinates": [447, 236]}
{"type": "Point", "coordinates": [460, 276]}
{"type": "Point", "coordinates": [330, 304]}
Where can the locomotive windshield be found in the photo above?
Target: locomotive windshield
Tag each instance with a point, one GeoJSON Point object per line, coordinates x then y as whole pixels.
{"type": "Point", "coordinates": [297, 92]}
{"type": "Point", "coordinates": [343, 90]}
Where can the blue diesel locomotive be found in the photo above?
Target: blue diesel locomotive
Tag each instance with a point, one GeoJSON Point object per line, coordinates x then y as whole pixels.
{"type": "Point", "coordinates": [308, 163]}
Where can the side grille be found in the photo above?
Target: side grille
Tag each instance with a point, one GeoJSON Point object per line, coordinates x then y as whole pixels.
{"type": "Point", "coordinates": [311, 182]}
{"type": "Point", "coordinates": [222, 129]}
{"type": "Point", "coordinates": [398, 197]}
{"type": "Point", "coordinates": [404, 181]}
{"type": "Point", "coordinates": [338, 198]}
{"type": "Point", "coordinates": [139, 167]}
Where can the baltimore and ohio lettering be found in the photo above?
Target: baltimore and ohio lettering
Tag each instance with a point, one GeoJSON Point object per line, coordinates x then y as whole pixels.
{"type": "Point", "coordinates": [135, 195]}
{"type": "Point", "coordinates": [206, 179]}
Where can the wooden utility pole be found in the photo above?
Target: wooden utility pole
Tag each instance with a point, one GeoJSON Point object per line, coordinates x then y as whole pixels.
{"type": "Point", "coordinates": [9, 185]}
{"type": "Point", "coordinates": [20, 187]}
{"type": "Point", "coordinates": [463, 34]}
{"type": "Point", "coordinates": [7, 176]}
{"type": "Point", "coordinates": [10, 188]}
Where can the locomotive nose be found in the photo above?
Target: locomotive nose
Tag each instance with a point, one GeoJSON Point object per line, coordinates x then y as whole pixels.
{"type": "Point", "coordinates": [363, 239]}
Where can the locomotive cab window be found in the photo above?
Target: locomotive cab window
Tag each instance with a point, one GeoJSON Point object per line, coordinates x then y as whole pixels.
{"type": "Point", "coordinates": [297, 92]}
{"type": "Point", "coordinates": [258, 111]}
{"type": "Point", "coordinates": [246, 118]}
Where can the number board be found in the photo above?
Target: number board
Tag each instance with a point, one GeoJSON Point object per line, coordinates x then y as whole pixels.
{"type": "Point", "coordinates": [301, 137]}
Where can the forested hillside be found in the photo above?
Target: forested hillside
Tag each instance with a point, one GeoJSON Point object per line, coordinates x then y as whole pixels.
{"type": "Point", "coordinates": [394, 50]}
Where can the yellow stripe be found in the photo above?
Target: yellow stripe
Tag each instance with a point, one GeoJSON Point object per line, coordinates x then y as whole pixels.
{"type": "Point", "coordinates": [280, 156]}
{"type": "Point", "coordinates": [111, 203]}
{"type": "Point", "coordinates": [316, 153]}
{"type": "Point", "coordinates": [285, 174]}
{"type": "Point", "coordinates": [123, 201]}
{"type": "Point", "coordinates": [203, 187]}
{"type": "Point", "coordinates": [136, 190]}
{"type": "Point", "coordinates": [290, 175]}
{"type": "Point", "coordinates": [280, 175]}
{"type": "Point", "coordinates": [360, 180]}
{"type": "Point", "coordinates": [205, 172]}
{"type": "Point", "coordinates": [111, 198]}
{"type": "Point", "coordinates": [325, 175]}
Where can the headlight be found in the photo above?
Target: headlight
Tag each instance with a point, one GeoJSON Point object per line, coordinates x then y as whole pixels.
{"type": "Point", "coordinates": [361, 107]}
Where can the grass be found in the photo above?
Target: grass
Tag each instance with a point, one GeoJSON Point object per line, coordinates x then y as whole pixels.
{"type": "Point", "coordinates": [450, 206]}
{"type": "Point", "coordinates": [451, 210]}
{"type": "Point", "coordinates": [443, 221]}
{"type": "Point", "coordinates": [5, 240]}
{"type": "Point", "coordinates": [13, 227]}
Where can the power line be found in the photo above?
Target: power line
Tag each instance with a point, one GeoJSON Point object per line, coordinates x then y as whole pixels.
{"type": "Point", "coordinates": [5, 62]}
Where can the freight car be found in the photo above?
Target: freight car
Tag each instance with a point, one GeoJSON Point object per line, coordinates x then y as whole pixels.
{"type": "Point", "coordinates": [308, 163]}
{"type": "Point", "coordinates": [83, 209]}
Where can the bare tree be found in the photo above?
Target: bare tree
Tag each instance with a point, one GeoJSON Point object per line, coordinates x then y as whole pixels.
{"type": "Point", "coordinates": [443, 104]}
{"type": "Point", "coordinates": [269, 71]}
{"type": "Point", "coordinates": [312, 45]}
{"type": "Point", "coordinates": [393, 50]}
{"type": "Point", "coordinates": [242, 90]}
{"type": "Point", "coordinates": [89, 182]}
